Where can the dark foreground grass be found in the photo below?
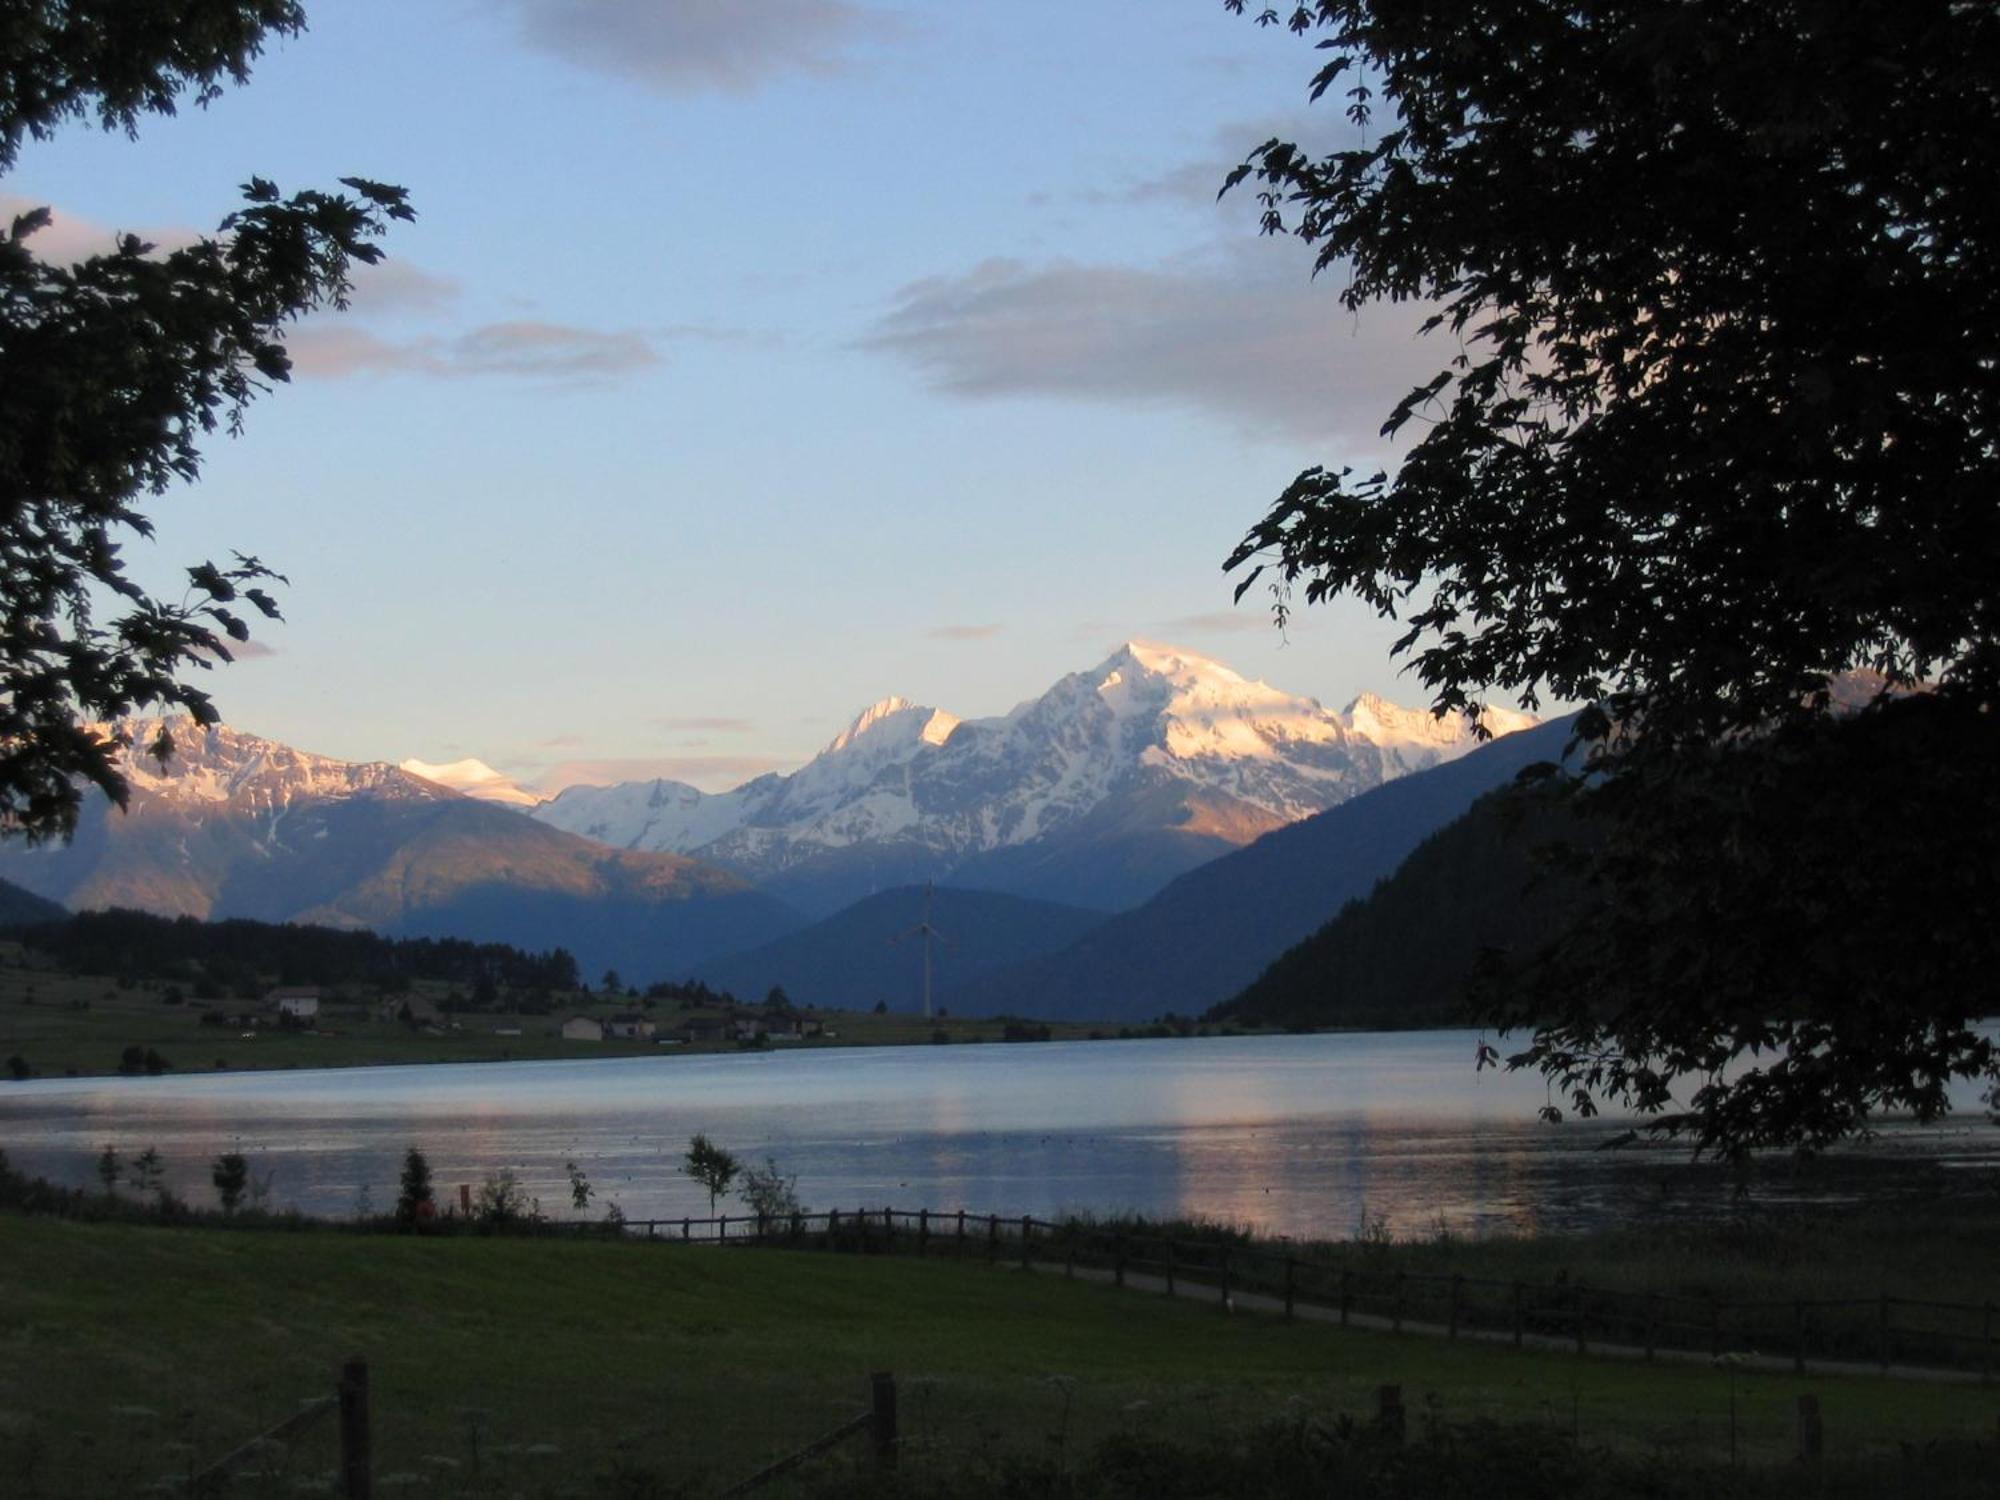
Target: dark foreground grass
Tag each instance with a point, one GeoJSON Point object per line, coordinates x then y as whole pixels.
{"type": "Point", "coordinates": [535, 1367]}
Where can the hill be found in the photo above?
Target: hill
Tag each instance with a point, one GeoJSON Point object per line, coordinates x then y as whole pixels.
{"type": "Point", "coordinates": [234, 825]}
{"type": "Point", "coordinates": [23, 908]}
{"type": "Point", "coordinates": [1405, 954]}
{"type": "Point", "coordinates": [1212, 931]}
{"type": "Point", "coordinates": [851, 959]}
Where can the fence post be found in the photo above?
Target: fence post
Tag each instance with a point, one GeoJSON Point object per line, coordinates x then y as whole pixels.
{"type": "Point", "coordinates": [882, 1423]}
{"type": "Point", "coordinates": [1882, 1333]}
{"type": "Point", "coordinates": [1027, 1228]}
{"type": "Point", "coordinates": [684, 1231]}
{"type": "Point", "coordinates": [357, 1472]}
{"type": "Point", "coordinates": [1799, 1336]}
{"type": "Point", "coordinates": [923, 1228]}
{"type": "Point", "coordinates": [1289, 1284]}
{"type": "Point", "coordinates": [1225, 1279]}
{"type": "Point", "coordinates": [961, 1234]}
{"type": "Point", "coordinates": [1520, 1312]}
{"type": "Point", "coordinates": [992, 1238]}
{"type": "Point", "coordinates": [1457, 1286]}
{"type": "Point", "coordinates": [652, 1228]}
{"type": "Point", "coordinates": [1389, 1410]}
{"type": "Point", "coordinates": [1118, 1260]}
{"type": "Point", "coordinates": [722, 1230]}
{"type": "Point", "coordinates": [1812, 1432]}
{"type": "Point", "coordinates": [465, 1200]}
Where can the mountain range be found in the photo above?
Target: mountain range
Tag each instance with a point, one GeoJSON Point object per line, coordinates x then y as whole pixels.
{"type": "Point", "coordinates": [233, 825]}
{"type": "Point", "coordinates": [1221, 819]}
{"type": "Point", "coordinates": [1095, 794]}
{"type": "Point", "coordinates": [1212, 931]}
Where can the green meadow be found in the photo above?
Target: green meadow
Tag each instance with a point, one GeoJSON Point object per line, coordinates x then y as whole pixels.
{"type": "Point", "coordinates": [133, 1353]}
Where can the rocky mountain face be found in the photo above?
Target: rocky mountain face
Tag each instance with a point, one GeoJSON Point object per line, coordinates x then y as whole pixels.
{"type": "Point", "coordinates": [233, 825]}
{"type": "Point", "coordinates": [1097, 793]}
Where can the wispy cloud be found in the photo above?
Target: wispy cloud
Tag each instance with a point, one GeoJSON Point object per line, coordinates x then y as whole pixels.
{"type": "Point", "coordinates": [682, 45]}
{"type": "Point", "coordinates": [250, 650]}
{"type": "Point", "coordinates": [1244, 334]}
{"type": "Point", "coordinates": [1253, 621]}
{"type": "Point", "coordinates": [68, 238]}
{"type": "Point", "coordinates": [523, 349]}
{"type": "Point", "coordinates": [963, 632]}
{"type": "Point", "coordinates": [698, 724]}
{"type": "Point", "coordinates": [397, 286]}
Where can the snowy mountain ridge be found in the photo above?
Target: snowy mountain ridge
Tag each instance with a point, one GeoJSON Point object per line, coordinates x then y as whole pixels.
{"type": "Point", "coordinates": [475, 779]}
{"type": "Point", "coordinates": [1153, 741]}
{"type": "Point", "coordinates": [217, 764]}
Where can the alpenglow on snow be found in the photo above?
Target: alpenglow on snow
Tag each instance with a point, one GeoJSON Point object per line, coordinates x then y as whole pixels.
{"type": "Point", "coordinates": [1098, 792]}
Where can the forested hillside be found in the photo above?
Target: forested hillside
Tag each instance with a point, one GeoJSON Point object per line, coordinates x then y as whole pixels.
{"type": "Point", "coordinates": [1404, 954]}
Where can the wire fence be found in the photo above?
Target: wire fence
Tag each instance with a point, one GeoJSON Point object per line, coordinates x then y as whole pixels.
{"type": "Point", "coordinates": [1894, 1335]}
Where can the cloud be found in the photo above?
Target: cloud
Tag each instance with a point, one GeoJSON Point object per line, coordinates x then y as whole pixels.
{"type": "Point", "coordinates": [682, 45]}
{"type": "Point", "coordinates": [398, 286]}
{"type": "Point", "coordinates": [524, 349]}
{"type": "Point", "coordinates": [67, 238]}
{"type": "Point", "coordinates": [250, 650]}
{"type": "Point", "coordinates": [963, 632]}
{"type": "Point", "coordinates": [720, 726]}
{"type": "Point", "coordinates": [1244, 334]}
{"type": "Point", "coordinates": [709, 772]}
{"type": "Point", "coordinates": [1223, 622]}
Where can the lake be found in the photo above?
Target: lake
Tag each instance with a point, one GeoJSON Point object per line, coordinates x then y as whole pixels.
{"type": "Point", "coordinates": [1308, 1135]}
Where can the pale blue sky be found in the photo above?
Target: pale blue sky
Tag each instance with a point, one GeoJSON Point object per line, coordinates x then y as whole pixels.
{"type": "Point", "coordinates": [749, 362]}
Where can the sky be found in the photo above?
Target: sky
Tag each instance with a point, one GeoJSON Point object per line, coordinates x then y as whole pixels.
{"type": "Point", "coordinates": [748, 363]}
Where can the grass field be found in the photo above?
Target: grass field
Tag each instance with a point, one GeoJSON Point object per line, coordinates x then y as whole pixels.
{"type": "Point", "coordinates": [78, 1025]}
{"type": "Point", "coordinates": [539, 1367]}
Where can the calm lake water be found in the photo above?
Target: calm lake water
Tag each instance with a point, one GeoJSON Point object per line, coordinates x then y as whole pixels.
{"type": "Point", "coordinates": [1293, 1135]}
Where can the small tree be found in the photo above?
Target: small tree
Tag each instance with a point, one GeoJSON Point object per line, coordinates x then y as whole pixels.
{"type": "Point", "coordinates": [108, 1166]}
{"type": "Point", "coordinates": [501, 1200]}
{"type": "Point", "coordinates": [711, 1166]}
{"type": "Point", "coordinates": [770, 1193]}
{"type": "Point", "coordinates": [231, 1176]}
{"type": "Point", "coordinates": [777, 1001]}
{"type": "Point", "coordinates": [580, 1190]}
{"type": "Point", "coordinates": [414, 1201]}
{"type": "Point", "coordinates": [147, 1170]}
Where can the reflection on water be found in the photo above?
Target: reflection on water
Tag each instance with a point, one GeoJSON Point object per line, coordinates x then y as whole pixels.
{"type": "Point", "coordinates": [1292, 1135]}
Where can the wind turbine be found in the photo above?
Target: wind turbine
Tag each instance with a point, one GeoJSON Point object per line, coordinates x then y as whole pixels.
{"type": "Point", "coordinates": [928, 933]}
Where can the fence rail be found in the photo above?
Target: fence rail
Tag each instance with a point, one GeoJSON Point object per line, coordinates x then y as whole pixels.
{"type": "Point", "coordinates": [1887, 1332]}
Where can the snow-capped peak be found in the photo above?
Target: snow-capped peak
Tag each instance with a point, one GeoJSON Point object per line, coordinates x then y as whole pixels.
{"type": "Point", "coordinates": [933, 726]}
{"type": "Point", "coordinates": [474, 778]}
{"type": "Point", "coordinates": [1416, 737]}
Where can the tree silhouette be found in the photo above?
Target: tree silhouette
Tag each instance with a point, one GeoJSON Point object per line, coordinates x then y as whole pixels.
{"type": "Point", "coordinates": [1718, 294]}
{"type": "Point", "coordinates": [112, 373]}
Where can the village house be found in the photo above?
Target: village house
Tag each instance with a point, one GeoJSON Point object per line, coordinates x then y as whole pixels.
{"type": "Point", "coordinates": [294, 1002]}
{"type": "Point", "coordinates": [629, 1026]}
{"type": "Point", "coordinates": [583, 1029]}
{"type": "Point", "coordinates": [704, 1028]}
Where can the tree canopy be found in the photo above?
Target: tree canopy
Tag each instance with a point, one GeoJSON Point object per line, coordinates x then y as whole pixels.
{"type": "Point", "coordinates": [1716, 285]}
{"type": "Point", "coordinates": [115, 370]}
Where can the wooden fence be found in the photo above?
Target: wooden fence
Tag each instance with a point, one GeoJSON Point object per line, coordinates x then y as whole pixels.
{"type": "Point", "coordinates": [1346, 1285]}
{"type": "Point", "coordinates": [349, 1399]}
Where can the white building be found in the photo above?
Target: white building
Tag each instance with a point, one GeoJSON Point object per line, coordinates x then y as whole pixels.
{"type": "Point", "coordinates": [583, 1029]}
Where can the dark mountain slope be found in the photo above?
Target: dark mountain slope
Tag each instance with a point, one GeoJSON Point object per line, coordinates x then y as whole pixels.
{"type": "Point", "coordinates": [850, 960]}
{"type": "Point", "coordinates": [1213, 930]}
